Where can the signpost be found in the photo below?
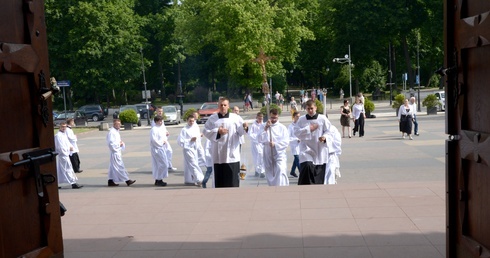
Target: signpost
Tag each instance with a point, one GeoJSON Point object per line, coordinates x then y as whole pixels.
{"type": "Point", "coordinates": [64, 84]}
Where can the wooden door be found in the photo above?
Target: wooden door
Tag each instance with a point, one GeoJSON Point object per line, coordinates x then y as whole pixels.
{"type": "Point", "coordinates": [467, 69]}
{"type": "Point", "coordinates": [29, 203]}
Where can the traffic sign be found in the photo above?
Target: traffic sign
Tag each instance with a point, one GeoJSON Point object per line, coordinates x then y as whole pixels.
{"type": "Point", "coordinates": [63, 83]}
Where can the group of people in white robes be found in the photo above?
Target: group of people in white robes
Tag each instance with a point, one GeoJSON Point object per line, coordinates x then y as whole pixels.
{"type": "Point", "coordinates": [65, 172]}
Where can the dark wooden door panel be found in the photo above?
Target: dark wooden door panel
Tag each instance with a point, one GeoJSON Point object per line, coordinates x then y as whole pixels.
{"type": "Point", "coordinates": [467, 55]}
{"type": "Point", "coordinates": [29, 203]}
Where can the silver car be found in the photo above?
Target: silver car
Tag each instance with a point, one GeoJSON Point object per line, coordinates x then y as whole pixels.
{"type": "Point", "coordinates": [172, 115]}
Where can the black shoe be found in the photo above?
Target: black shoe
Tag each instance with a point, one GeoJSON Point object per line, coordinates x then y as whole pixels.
{"type": "Point", "coordinates": [130, 182]}
{"type": "Point", "coordinates": [111, 183]}
{"type": "Point", "coordinates": [160, 183]}
{"type": "Point", "coordinates": [76, 186]}
{"type": "Point", "coordinates": [79, 171]}
{"type": "Point", "coordinates": [262, 175]}
{"type": "Point", "coordinates": [293, 174]}
{"type": "Point", "coordinates": [257, 174]}
{"type": "Point", "coordinates": [353, 133]}
{"type": "Point", "coordinates": [417, 134]}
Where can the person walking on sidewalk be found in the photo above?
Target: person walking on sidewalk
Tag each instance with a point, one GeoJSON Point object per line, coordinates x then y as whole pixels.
{"type": "Point", "coordinates": [158, 144]}
{"type": "Point", "coordinates": [63, 164]}
{"type": "Point", "coordinates": [117, 170]}
{"type": "Point", "coordinates": [294, 144]}
{"type": "Point", "coordinates": [74, 158]}
{"type": "Point", "coordinates": [359, 116]}
{"type": "Point", "coordinates": [415, 122]}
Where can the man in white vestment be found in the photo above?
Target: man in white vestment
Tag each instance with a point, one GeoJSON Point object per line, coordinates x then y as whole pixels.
{"type": "Point", "coordinates": [168, 151]}
{"type": "Point", "coordinates": [64, 168]}
{"type": "Point", "coordinates": [117, 171]}
{"type": "Point", "coordinates": [334, 142]}
{"type": "Point", "coordinates": [312, 130]}
{"type": "Point", "coordinates": [294, 144]}
{"type": "Point", "coordinates": [189, 139]}
{"type": "Point", "coordinates": [74, 158]}
{"type": "Point", "coordinates": [224, 130]}
{"type": "Point", "coordinates": [257, 148]}
{"type": "Point", "coordinates": [158, 144]}
{"type": "Point", "coordinates": [275, 139]}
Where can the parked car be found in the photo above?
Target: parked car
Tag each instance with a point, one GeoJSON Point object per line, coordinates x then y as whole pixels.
{"type": "Point", "coordinates": [124, 107]}
{"type": "Point", "coordinates": [79, 117]}
{"type": "Point", "coordinates": [441, 96]}
{"type": "Point", "coordinates": [206, 110]}
{"type": "Point", "coordinates": [94, 112]}
{"type": "Point", "coordinates": [143, 110]}
{"type": "Point", "coordinates": [172, 115]}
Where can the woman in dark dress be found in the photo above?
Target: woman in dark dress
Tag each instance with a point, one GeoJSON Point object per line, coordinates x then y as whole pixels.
{"type": "Point", "coordinates": [345, 118]}
{"type": "Point", "coordinates": [405, 116]}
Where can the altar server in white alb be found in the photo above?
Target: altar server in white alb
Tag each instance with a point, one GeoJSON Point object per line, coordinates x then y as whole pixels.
{"type": "Point", "coordinates": [117, 170]}
{"type": "Point", "coordinates": [275, 138]}
{"type": "Point", "coordinates": [224, 130]}
{"type": "Point", "coordinates": [75, 159]}
{"type": "Point", "coordinates": [257, 148]}
{"type": "Point", "coordinates": [294, 144]}
{"type": "Point", "coordinates": [158, 146]}
{"type": "Point", "coordinates": [312, 130]}
{"type": "Point", "coordinates": [190, 139]}
{"type": "Point", "coordinates": [334, 143]}
{"type": "Point", "coordinates": [65, 172]}
{"type": "Point", "coordinates": [168, 151]}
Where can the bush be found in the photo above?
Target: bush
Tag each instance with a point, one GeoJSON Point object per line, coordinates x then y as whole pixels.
{"type": "Point", "coordinates": [368, 105]}
{"type": "Point", "coordinates": [263, 110]}
{"type": "Point", "coordinates": [430, 101]}
{"type": "Point", "coordinates": [319, 106]}
{"type": "Point", "coordinates": [188, 113]}
{"type": "Point", "coordinates": [399, 100]}
{"type": "Point", "coordinates": [128, 116]}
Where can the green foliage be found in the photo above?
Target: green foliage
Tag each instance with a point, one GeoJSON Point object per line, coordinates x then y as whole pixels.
{"type": "Point", "coordinates": [399, 100]}
{"type": "Point", "coordinates": [263, 110]}
{"type": "Point", "coordinates": [368, 105]}
{"type": "Point", "coordinates": [188, 113]}
{"type": "Point", "coordinates": [128, 116]}
{"type": "Point", "coordinates": [373, 77]}
{"type": "Point", "coordinates": [430, 101]}
{"type": "Point", "coordinates": [319, 106]}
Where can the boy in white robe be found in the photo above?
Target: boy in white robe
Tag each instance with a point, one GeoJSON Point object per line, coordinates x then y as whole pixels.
{"type": "Point", "coordinates": [158, 145]}
{"type": "Point", "coordinates": [275, 139]}
{"type": "Point", "coordinates": [64, 168]}
{"type": "Point", "coordinates": [168, 151]}
{"type": "Point", "coordinates": [117, 171]}
{"type": "Point", "coordinates": [224, 130]}
{"type": "Point", "coordinates": [294, 144]}
{"type": "Point", "coordinates": [312, 130]}
{"type": "Point", "coordinates": [334, 142]}
{"type": "Point", "coordinates": [257, 148]}
{"type": "Point", "coordinates": [189, 139]}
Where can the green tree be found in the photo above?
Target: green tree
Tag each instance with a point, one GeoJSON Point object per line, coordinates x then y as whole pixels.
{"type": "Point", "coordinates": [373, 77]}
{"type": "Point", "coordinates": [238, 30]}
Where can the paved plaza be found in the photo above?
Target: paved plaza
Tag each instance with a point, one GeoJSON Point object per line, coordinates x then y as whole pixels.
{"type": "Point", "coordinates": [389, 202]}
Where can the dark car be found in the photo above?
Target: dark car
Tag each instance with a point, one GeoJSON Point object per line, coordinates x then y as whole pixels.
{"type": "Point", "coordinates": [143, 110]}
{"type": "Point", "coordinates": [206, 110]}
{"type": "Point", "coordinates": [94, 112]}
{"type": "Point", "coordinates": [79, 117]}
{"type": "Point", "coordinates": [125, 107]}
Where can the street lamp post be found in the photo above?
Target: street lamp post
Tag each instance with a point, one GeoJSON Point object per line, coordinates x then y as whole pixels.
{"type": "Point", "coordinates": [346, 59]}
{"type": "Point", "coordinates": [144, 84]}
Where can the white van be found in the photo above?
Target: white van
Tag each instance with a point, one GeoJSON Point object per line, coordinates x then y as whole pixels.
{"type": "Point", "coordinates": [441, 96]}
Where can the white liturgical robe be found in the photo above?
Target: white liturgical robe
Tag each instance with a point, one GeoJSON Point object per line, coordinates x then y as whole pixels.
{"type": "Point", "coordinates": [275, 158]}
{"type": "Point", "coordinates": [334, 142]}
{"type": "Point", "coordinates": [311, 149]}
{"type": "Point", "coordinates": [64, 168]}
{"type": "Point", "coordinates": [117, 171]}
{"type": "Point", "coordinates": [257, 148]}
{"type": "Point", "coordinates": [225, 148]}
{"type": "Point", "coordinates": [192, 171]}
{"type": "Point", "coordinates": [158, 148]}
